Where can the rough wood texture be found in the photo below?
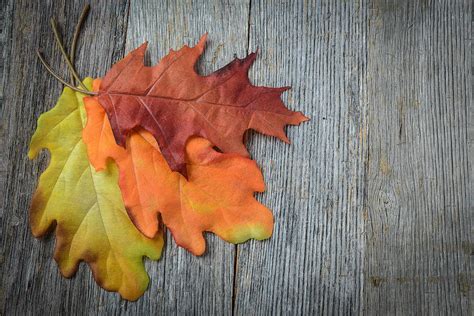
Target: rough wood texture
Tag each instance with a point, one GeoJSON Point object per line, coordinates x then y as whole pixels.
{"type": "Point", "coordinates": [373, 201]}
{"type": "Point", "coordinates": [418, 255]}
{"type": "Point", "coordinates": [313, 263]}
{"type": "Point", "coordinates": [5, 49]}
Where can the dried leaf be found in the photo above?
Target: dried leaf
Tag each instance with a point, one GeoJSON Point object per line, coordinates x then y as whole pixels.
{"type": "Point", "coordinates": [216, 197]}
{"type": "Point", "coordinates": [86, 206]}
{"type": "Point", "coordinates": [174, 103]}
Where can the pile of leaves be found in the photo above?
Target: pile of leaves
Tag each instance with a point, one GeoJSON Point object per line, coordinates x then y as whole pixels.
{"type": "Point", "coordinates": [149, 148]}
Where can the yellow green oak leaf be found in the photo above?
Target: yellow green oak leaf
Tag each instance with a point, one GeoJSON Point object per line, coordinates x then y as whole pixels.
{"type": "Point", "coordinates": [85, 206]}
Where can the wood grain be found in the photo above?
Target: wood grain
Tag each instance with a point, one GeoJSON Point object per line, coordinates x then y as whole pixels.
{"type": "Point", "coordinates": [6, 10]}
{"type": "Point", "coordinates": [373, 200]}
{"type": "Point", "coordinates": [418, 256]}
{"type": "Point", "coordinates": [313, 262]}
{"type": "Point", "coordinates": [31, 282]}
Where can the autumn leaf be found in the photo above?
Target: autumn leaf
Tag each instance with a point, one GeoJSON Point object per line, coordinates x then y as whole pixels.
{"type": "Point", "coordinates": [174, 103]}
{"type": "Point", "coordinates": [86, 206]}
{"type": "Point", "coordinates": [217, 196]}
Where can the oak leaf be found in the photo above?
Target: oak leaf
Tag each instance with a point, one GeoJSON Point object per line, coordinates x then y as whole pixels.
{"type": "Point", "coordinates": [173, 102]}
{"type": "Point", "coordinates": [86, 206]}
{"type": "Point", "coordinates": [217, 196]}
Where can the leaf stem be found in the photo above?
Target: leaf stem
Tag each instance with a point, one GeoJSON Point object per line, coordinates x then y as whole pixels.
{"type": "Point", "coordinates": [63, 52]}
{"type": "Point", "coordinates": [51, 71]}
{"type": "Point", "coordinates": [72, 55]}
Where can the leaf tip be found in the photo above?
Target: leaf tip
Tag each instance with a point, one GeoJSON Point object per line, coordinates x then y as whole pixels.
{"type": "Point", "coordinates": [202, 42]}
{"type": "Point", "coordinates": [32, 153]}
{"type": "Point", "coordinates": [303, 118]}
{"type": "Point", "coordinates": [286, 140]}
{"type": "Point", "coordinates": [140, 50]}
{"type": "Point", "coordinates": [248, 61]}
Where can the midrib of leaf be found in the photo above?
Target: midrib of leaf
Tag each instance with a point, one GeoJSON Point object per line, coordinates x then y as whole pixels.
{"type": "Point", "coordinates": [173, 99]}
{"type": "Point", "coordinates": [112, 251]}
{"type": "Point", "coordinates": [77, 146]}
{"type": "Point", "coordinates": [94, 174]}
{"type": "Point", "coordinates": [80, 108]}
{"type": "Point", "coordinates": [196, 99]}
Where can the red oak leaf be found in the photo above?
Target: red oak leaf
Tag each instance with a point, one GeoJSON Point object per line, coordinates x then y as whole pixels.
{"type": "Point", "coordinates": [173, 102]}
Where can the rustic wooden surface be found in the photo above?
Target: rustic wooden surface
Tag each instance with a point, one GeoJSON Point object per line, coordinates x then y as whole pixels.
{"type": "Point", "coordinates": [373, 201]}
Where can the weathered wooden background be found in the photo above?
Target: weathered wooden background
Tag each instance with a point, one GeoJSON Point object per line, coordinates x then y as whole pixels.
{"type": "Point", "coordinates": [373, 201]}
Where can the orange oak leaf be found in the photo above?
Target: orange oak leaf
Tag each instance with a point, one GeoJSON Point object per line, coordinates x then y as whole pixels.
{"type": "Point", "coordinates": [173, 102]}
{"type": "Point", "coordinates": [217, 196]}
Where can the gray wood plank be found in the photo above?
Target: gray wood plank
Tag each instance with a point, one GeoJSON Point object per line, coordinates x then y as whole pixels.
{"type": "Point", "coordinates": [313, 262]}
{"type": "Point", "coordinates": [373, 201]}
{"type": "Point", "coordinates": [418, 257]}
{"type": "Point", "coordinates": [31, 282]}
{"type": "Point", "coordinates": [6, 9]}
{"type": "Point", "coordinates": [190, 284]}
